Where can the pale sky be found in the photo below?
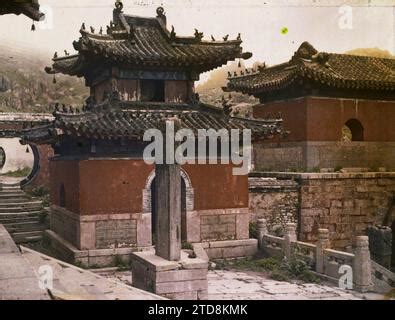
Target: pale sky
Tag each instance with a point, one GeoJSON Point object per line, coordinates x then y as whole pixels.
{"type": "Point", "coordinates": [259, 21]}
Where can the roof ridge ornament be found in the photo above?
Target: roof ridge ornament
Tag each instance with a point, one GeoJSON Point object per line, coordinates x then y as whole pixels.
{"type": "Point", "coordinates": [161, 15]}
{"type": "Point", "coordinates": [305, 51]}
{"type": "Point", "coordinates": [118, 5]}
{"type": "Point", "coordinates": [198, 35]}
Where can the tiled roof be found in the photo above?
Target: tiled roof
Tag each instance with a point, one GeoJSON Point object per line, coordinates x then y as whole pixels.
{"type": "Point", "coordinates": [130, 120]}
{"type": "Point", "coordinates": [29, 8]}
{"type": "Point", "coordinates": [328, 69]}
{"type": "Point", "coordinates": [137, 41]}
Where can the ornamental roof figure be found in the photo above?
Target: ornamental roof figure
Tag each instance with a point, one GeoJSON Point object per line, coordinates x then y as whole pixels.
{"type": "Point", "coordinates": [140, 42]}
{"type": "Point", "coordinates": [29, 8]}
{"type": "Point", "coordinates": [329, 70]}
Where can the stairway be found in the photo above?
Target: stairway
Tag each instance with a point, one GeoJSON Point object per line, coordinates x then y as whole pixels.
{"type": "Point", "coordinates": [20, 214]}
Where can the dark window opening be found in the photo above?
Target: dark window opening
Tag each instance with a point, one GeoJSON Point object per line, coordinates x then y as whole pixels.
{"type": "Point", "coordinates": [62, 197]}
{"type": "Point", "coordinates": [2, 157]}
{"type": "Point", "coordinates": [152, 90]}
{"type": "Point", "coordinates": [353, 131]}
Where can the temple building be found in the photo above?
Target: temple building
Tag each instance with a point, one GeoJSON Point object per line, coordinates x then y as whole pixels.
{"type": "Point", "coordinates": [140, 74]}
{"type": "Point", "coordinates": [29, 8]}
{"type": "Point", "coordinates": [339, 109]}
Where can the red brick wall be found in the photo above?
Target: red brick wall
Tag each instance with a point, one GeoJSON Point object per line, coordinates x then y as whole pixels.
{"type": "Point", "coordinates": [322, 119]}
{"type": "Point", "coordinates": [67, 173]}
{"type": "Point", "coordinates": [294, 113]}
{"type": "Point", "coordinates": [116, 186]}
{"type": "Point", "coordinates": [216, 187]}
{"type": "Point", "coordinates": [43, 176]}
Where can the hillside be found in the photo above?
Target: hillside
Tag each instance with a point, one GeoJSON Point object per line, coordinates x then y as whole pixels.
{"type": "Point", "coordinates": [25, 87]}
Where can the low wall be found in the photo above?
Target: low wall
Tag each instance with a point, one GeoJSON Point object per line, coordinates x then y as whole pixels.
{"type": "Point", "coordinates": [311, 156]}
{"type": "Point", "coordinates": [344, 203]}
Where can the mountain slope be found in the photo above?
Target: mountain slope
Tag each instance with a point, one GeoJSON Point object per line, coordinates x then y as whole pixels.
{"type": "Point", "coordinates": [25, 87]}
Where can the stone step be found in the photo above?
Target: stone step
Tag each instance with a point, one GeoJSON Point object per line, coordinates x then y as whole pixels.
{"type": "Point", "coordinates": [25, 237]}
{"type": "Point", "coordinates": [20, 209]}
{"type": "Point", "coordinates": [24, 227]}
{"type": "Point", "coordinates": [20, 214]}
{"type": "Point", "coordinates": [18, 199]}
{"type": "Point", "coordinates": [13, 196]}
{"type": "Point", "coordinates": [10, 190]}
{"type": "Point", "coordinates": [24, 205]}
{"type": "Point", "coordinates": [17, 219]}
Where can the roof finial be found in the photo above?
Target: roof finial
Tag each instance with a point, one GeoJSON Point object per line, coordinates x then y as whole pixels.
{"type": "Point", "coordinates": [172, 33]}
{"type": "Point", "coordinates": [55, 55]}
{"type": "Point", "coordinates": [239, 37]}
{"type": "Point", "coordinates": [226, 37]}
{"type": "Point", "coordinates": [212, 38]}
{"type": "Point", "coordinates": [83, 26]}
{"type": "Point", "coordinates": [198, 35]}
{"type": "Point", "coordinates": [92, 30]}
{"type": "Point", "coordinates": [160, 11]}
{"type": "Point", "coordinates": [101, 30]}
{"type": "Point", "coordinates": [119, 5]}
{"type": "Point", "coordinates": [66, 53]}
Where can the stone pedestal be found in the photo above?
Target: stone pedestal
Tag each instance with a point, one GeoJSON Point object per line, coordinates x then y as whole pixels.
{"type": "Point", "coordinates": [185, 279]}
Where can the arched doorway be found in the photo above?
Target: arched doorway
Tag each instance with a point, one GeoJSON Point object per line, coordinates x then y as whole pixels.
{"type": "Point", "coordinates": [18, 163]}
{"type": "Point", "coordinates": [2, 158]}
{"type": "Point", "coordinates": [187, 202]}
{"type": "Point", "coordinates": [353, 131]}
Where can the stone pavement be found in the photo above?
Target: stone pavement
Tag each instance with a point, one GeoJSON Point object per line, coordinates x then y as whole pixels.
{"type": "Point", "coordinates": [17, 278]}
{"type": "Point", "coordinates": [72, 283]}
{"type": "Point", "coordinates": [235, 285]}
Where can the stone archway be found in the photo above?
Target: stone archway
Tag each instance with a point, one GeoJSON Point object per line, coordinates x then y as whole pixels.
{"type": "Point", "coordinates": [353, 131]}
{"type": "Point", "coordinates": [16, 158]}
{"type": "Point", "coordinates": [189, 199]}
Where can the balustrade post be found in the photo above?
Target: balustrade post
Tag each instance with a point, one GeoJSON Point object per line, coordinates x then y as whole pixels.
{"type": "Point", "coordinates": [290, 236]}
{"type": "Point", "coordinates": [322, 244]}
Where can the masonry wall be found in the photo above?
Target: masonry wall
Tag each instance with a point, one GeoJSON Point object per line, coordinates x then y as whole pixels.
{"type": "Point", "coordinates": [275, 200]}
{"type": "Point", "coordinates": [42, 178]}
{"type": "Point", "coordinates": [321, 119]}
{"type": "Point", "coordinates": [316, 155]}
{"type": "Point", "coordinates": [315, 138]}
{"type": "Point", "coordinates": [345, 203]}
{"type": "Point", "coordinates": [106, 205]}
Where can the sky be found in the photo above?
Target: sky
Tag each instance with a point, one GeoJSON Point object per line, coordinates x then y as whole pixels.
{"type": "Point", "coordinates": [271, 30]}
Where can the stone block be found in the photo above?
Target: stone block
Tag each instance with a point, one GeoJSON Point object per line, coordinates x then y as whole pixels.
{"type": "Point", "coordinates": [181, 275]}
{"type": "Point", "coordinates": [181, 286]}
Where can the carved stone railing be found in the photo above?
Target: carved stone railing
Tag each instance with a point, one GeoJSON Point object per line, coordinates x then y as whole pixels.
{"type": "Point", "coordinates": [273, 246]}
{"type": "Point", "coordinates": [320, 257]}
{"type": "Point", "coordinates": [383, 274]}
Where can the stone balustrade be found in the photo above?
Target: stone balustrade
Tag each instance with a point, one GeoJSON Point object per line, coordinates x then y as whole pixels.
{"type": "Point", "coordinates": [320, 257]}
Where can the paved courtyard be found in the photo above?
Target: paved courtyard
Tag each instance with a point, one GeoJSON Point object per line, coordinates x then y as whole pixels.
{"type": "Point", "coordinates": [235, 285]}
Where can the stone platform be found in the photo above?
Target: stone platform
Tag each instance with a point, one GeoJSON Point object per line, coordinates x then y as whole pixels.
{"type": "Point", "coordinates": [89, 258]}
{"type": "Point", "coordinates": [231, 248]}
{"type": "Point", "coordinates": [182, 280]}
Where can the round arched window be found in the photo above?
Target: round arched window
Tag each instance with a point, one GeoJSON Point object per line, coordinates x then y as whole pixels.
{"type": "Point", "coordinates": [2, 157]}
